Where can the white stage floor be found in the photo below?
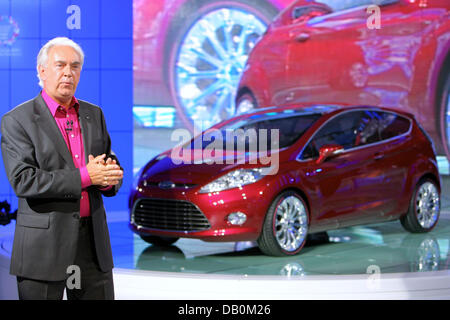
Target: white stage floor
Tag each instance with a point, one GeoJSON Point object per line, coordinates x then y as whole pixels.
{"type": "Point", "coordinates": [136, 280]}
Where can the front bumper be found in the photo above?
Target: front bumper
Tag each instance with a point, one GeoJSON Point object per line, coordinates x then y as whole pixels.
{"type": "Point", "coordinates": [252, 200]}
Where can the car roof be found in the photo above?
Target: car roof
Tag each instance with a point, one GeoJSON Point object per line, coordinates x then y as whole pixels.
{"type": "Point", "coordinates": [306, 109]}
{"type": "Point", "coordinates": [293, 109]}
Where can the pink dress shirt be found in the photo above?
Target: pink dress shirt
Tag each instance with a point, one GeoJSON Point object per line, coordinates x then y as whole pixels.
{"type": "Point", "coordinates": [68, 124]}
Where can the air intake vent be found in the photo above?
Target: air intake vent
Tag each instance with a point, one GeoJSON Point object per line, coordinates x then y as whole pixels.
{"type": "Point", "coordinates": [173, 215]}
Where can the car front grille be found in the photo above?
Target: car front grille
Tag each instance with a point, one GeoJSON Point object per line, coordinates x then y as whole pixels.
{"type": "Point", "coordinates": [173, 215]}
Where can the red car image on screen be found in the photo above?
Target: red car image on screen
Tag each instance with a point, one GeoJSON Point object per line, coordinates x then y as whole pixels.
{"type": "Point", "coordinates": [327, 51]}
{"type": "Point", "coordinates": [336, 166]}
{"type": "Point", "coordinates": [191, 53]}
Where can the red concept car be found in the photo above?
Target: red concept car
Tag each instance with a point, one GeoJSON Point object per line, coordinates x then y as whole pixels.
{"type": "Point", "coordinates": [327, 167]}
{"type": "Point", "coordinates": [332, 51]}
{"type": "Point", "coordinates": [191, 53]}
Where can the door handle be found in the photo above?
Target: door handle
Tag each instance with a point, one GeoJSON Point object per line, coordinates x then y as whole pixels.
{"type": "Point", "coordinates": [302, 37]}
{"type": "Point", "coordinates": [378, 156]}
{"type": "Point", "coordinates": [299, 35]}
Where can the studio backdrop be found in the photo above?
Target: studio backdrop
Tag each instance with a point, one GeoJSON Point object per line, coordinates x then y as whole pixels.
{"type": "Point", "coordinates": [104, 30]}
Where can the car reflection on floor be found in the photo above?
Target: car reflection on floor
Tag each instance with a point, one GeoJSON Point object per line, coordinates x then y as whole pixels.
{"type": "Point", "coordinates": [357, 250]}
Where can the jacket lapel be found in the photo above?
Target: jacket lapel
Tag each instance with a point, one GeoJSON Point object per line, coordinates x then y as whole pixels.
{"type": "Point", "coordinates": [48, 124]}
{"type": "Point", "coordinates": [85, 119]}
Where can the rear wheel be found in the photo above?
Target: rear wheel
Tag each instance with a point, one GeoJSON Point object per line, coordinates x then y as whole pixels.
{"type": "Point", "coordinates": [286, 226]}
{"type": "Point", "coordinates": [424, 208]}
{"type": "Point", "coordinates": [159, 241]}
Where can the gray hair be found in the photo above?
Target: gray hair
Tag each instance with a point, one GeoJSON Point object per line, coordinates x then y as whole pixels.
{"type": "Point", "coordinates": [42, 57]}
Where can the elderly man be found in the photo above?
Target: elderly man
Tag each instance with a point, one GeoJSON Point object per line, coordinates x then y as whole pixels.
{"type": "Point", "coordinates": [58, 158]}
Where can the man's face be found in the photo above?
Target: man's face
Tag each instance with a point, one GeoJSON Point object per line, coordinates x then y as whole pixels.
{"type": "Point", "coordinates": [61, 74]}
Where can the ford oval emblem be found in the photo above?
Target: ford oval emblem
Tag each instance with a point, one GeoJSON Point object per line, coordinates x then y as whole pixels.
{"type": "Point", "coordinates": [166, 185]}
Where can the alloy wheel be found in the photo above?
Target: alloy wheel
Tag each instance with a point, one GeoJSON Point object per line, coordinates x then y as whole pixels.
{"type": "Point", "coordinates": [291, 223]}
{"type": "Point", "coordinates": [427, 205]}
{"type": "Point", "coordinates": [210, 60]}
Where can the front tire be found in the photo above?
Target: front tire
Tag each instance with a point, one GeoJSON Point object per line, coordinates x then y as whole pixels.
{"type": "Point", "coordinates": [424, 208]}
{"type": "Point", "coordinates": [286, 226]}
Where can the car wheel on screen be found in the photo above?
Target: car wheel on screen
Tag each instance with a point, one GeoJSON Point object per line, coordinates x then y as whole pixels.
{"type": "Point", "coordinates": [445, 117]}
{"type": "Point", "coordinates": [245, 102]}
{"type": "Point", "coordinates": [159, 241]}
{"type": "Point", "coordinates": [209, 54]}
{"type": "Point", "coordinates": [424, 208]}
{"type": "Point", "coordinates": [286, 226]}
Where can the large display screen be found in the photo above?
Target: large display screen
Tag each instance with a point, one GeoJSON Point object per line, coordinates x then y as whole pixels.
{"type": "Point", "coordinates": [197, 63]}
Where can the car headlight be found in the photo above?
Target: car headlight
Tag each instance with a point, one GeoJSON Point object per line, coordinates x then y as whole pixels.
{"type": "Point", "coordinates": [234, 179]}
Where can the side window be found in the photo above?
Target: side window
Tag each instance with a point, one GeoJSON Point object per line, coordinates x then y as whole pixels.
{"type": "Point", "coordinates": [393, 125]}
{"type": "Point", "coordinates": [340, 5]}
{"type": "Point", "coordinates": [309, 152]}
{"type": "Point", "coordinates": [304, 13]}
{"type": "Point", "coordinates": [309, 10]}
{"type": "Point", "coordinates": [368, 129]}
{"type": "Point", "coordinates": [376, 126]}
{"type": "Point", "coordinates": [357, 128]}
{"type": "Point", "coordinates": [341, 130]}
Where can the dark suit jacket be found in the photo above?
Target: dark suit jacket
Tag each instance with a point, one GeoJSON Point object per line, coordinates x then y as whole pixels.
{"type": "Point", "coordinates": [41, 171]}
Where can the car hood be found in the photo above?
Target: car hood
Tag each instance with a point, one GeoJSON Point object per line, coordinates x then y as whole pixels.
{"type": "Point", "coordinates": [199, 170]}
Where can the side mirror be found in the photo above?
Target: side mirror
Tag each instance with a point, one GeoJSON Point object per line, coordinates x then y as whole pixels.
{"type": "Point", "coordinates": [328, 151]}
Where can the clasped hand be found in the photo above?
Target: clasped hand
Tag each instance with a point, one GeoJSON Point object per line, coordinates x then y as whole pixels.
{"type": "Point", "coordinates": [104, 173]}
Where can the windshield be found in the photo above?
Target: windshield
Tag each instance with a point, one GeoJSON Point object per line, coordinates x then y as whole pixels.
{"type": "Point", "coordinates": [257, 133]}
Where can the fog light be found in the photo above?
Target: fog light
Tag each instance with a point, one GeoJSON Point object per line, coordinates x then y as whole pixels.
{"type": "Point", "coordinates": [237, 218]}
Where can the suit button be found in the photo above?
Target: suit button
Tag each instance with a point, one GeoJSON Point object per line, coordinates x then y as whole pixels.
{"type": "Point", "coordinates": [76, 216]}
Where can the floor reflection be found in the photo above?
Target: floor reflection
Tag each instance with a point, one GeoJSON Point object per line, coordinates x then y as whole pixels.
{"type": "Point", "coordinates": [357, 250]}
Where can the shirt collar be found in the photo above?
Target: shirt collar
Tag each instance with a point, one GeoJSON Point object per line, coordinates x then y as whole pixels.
{"type": "Point", "coordinates": [53, 105]}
